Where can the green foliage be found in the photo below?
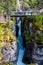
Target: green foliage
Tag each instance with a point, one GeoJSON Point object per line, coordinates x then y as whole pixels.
{"type": "Point", "coordinates": [1, 55]}
{"type": "Point", "coordinates": [34, 3]}
{"type": "Point", "coordinates": [4, 63]}
{"type": "Point", "coordinates": [31, 64]}
{"type": "Point", "coordinates": [11, 63]}
{"type": "Point", "coordinates": [27, 36]}
{"type": "Point", "coordinates": [8, 5]}
{"type": "Point", "coordinates": [1, 9]}
{"type": "Point", "coordinates": [39, 21]}
{"type": "Point", "coordinates": [30, 3]}
{"type": "Point", "coordinates": [26, 4]}
{"type": "Point", "coordinates": [39, 24]}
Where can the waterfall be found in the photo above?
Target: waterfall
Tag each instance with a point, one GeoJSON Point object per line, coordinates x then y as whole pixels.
{"type": "Point", "coordinates": [21, 50]}
{"type": "Point", "coordinates": [19, 33]}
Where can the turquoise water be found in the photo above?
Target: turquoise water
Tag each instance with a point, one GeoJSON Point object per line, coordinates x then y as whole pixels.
{"type": "Point", "coordinates": [21, 52]}
{"type": "Point", "coordinates": [19, 62]}
{"type": "Point", "coordinates": [21, 49]}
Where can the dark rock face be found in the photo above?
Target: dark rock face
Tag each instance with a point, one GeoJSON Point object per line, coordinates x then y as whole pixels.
{"type": "Point", "coordinates": [38, 55]}
{"type": "Point", "coordinates": [27, 42]}
{"type": "Point", "coordinates": [27, 58]}
{"type": "Point", "coordinates": [33, 49]}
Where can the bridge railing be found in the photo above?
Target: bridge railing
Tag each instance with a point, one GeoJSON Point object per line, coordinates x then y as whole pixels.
{"type": "Point", "coordinates": [23, 13]}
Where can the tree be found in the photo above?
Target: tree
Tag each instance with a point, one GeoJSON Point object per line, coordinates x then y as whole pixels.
{"type": "Point", "coordinates": [30, 4]}
{"type": "Point", "coordinates": [25, 4]}
{"type": "Point", "coordinates": [34, 3]}
{"type": "Point", "coordinates": [8, 5]}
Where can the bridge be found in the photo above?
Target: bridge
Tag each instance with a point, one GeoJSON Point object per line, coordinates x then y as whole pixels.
{"type": "Point", "coordinates": [23, 13]}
